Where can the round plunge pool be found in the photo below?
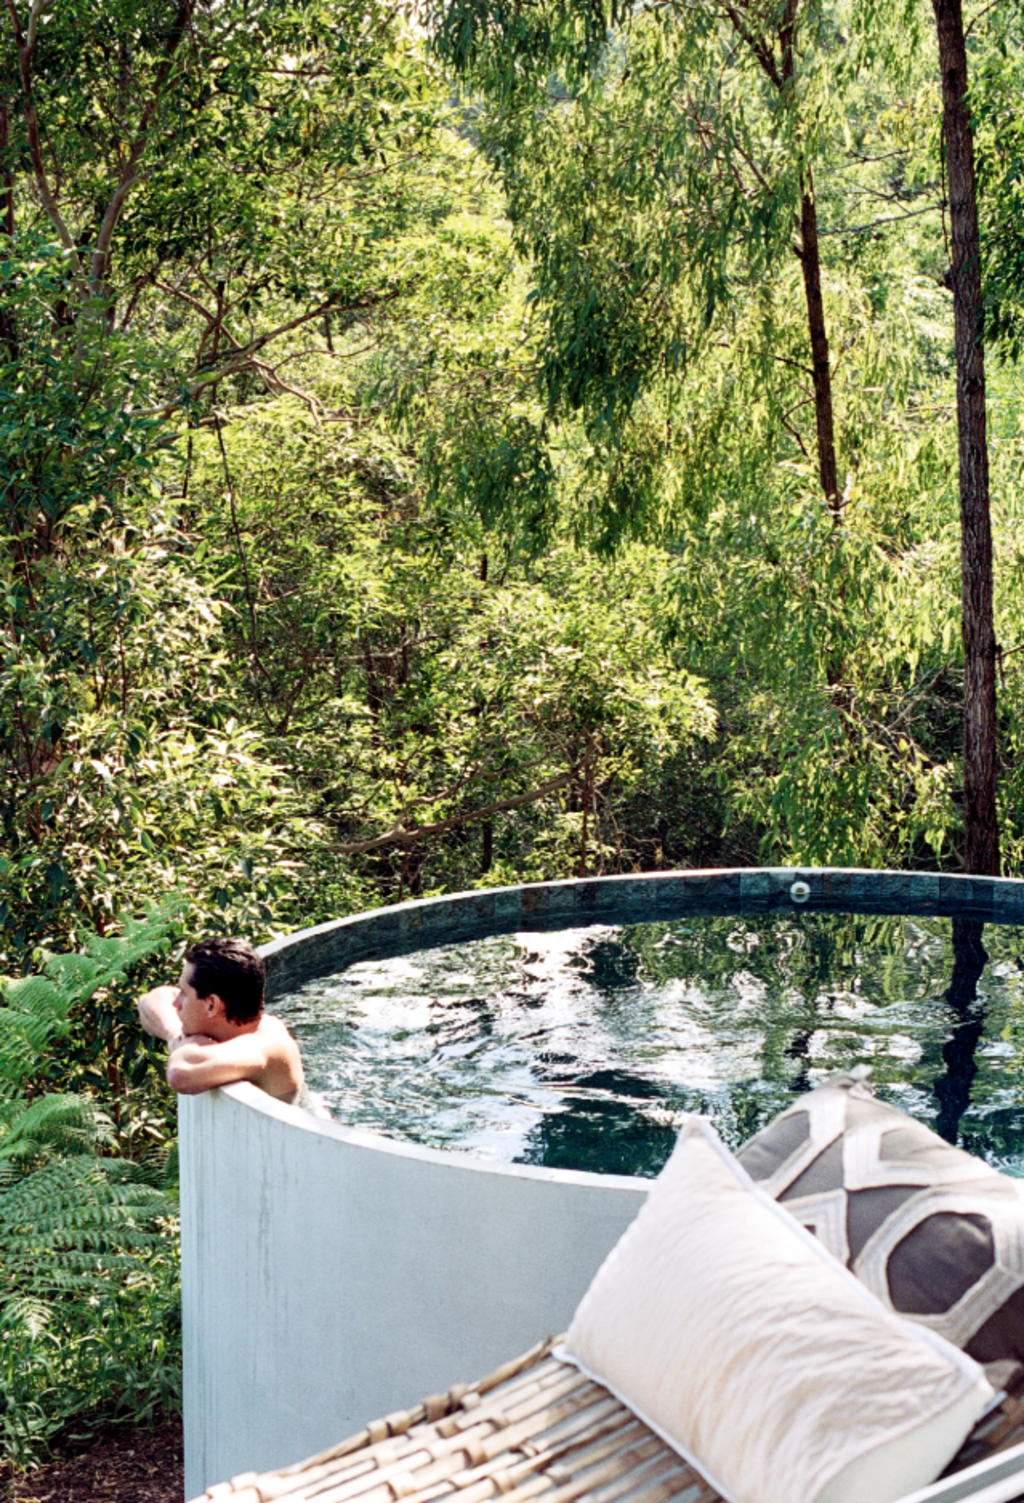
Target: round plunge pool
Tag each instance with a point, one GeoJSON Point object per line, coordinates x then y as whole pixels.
{"type": "Point", "coordinates": [507, 1069]}
{"type": "Point", "coordinates": [584, 1047]}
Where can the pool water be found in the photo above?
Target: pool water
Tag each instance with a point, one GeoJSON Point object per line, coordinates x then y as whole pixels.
{"type": "Point", "coordinates": [584, 1048]}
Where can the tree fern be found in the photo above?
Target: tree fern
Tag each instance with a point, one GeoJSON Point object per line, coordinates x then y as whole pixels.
{"type": "Point", "coordinates": [49, 1126]}
{"type": "Point", "coordinates": [34, 1009]}
{"type": "Point", "coordinates": [88, 1256]}
{"type": "Point", "coordinates": [75, 1224]}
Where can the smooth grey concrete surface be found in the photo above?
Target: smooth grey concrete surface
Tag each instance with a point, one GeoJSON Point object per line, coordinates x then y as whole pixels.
{"type": "Point", "coordinates": [330, 1276]}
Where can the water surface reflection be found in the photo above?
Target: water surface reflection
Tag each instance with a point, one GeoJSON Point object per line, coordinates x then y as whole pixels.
{"type": "Point", "coordinates": [583, 1048]}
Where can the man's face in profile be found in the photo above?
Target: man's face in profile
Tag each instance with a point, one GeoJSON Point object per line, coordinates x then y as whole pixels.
{"type": "Point", "coordinates": [193, 1011]}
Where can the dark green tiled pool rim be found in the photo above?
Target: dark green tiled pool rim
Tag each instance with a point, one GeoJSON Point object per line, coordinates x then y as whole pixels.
{"type": "Point", "coordinates": [644, 898]}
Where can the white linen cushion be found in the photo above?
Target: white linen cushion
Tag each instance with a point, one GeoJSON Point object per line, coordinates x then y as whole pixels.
{"type": "Point", "coordinates": [733, 1333]}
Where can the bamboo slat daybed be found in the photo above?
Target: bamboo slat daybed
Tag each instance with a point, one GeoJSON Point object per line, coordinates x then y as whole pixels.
{"type": "Point", "coordinates": [534, 1429]}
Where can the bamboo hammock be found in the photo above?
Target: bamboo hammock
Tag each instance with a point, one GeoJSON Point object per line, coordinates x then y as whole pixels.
{"type": "Point", "coordinates": [534, 1429]}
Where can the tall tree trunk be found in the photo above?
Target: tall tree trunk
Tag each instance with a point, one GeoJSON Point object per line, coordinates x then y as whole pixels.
{"type": "Point", "coordinates": [810, 262]}
{"type": "Point", "coordinates": [979, 638]}
{"type": "Point", "coordinates": [8, 333]}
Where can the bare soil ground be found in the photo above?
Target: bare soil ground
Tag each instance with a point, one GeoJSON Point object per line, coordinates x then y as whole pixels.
{"type": "Point", "coordinates": [120, 1465]}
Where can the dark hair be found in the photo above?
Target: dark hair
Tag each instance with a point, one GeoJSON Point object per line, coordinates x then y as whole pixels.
{"type": "Point", "coordinates": [231, 969]}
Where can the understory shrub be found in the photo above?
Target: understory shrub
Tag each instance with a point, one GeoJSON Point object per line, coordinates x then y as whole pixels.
{"type": "Point", "coordinates": [90, 1328]}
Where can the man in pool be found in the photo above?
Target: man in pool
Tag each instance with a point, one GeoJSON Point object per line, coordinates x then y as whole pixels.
{"type": "Point", "coordinates": [215, 1027]}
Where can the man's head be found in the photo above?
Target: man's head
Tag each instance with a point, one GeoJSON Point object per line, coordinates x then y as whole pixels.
{"type": "Point", "coordinates": [231, 970]}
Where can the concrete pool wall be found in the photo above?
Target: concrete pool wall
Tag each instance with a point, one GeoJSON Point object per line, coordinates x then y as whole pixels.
{"type": "Point", "coordinates": [331, 1276]}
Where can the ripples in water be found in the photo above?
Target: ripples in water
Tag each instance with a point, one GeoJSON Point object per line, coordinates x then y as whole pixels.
{"type": "Point", "coordinates": [583, 1048]}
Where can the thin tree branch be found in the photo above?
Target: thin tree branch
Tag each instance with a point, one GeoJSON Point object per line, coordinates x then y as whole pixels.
{"type": "Point", "coordinates": [980, 17]}
{"type": "Point", "coordinates": [860, 229]}
{"type": "Point", "coordinates": [130, 175]}
{"type": "Point", "coordinates": [244, 353]}
{"type": "Point", "coordinates": [33, 26]}
{"type": "Point", "coordinates": [25, 47]}
{"type": "Point", "coordinates": [793, 431]}
{"type": "Point", "coordinates": [757, 46]}
{"type": "Point", "coordinates": [400, 836]}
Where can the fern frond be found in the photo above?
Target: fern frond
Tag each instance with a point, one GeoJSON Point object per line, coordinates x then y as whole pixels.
{"type": "Point", "coordinates": [26, 1314]}
{"type": "Point", "coordinates": [62, 1124]}
{"type": "Point", "coordinates": [88, 1249]}
{"type": "Point", "coordinates": [34, 1010]}
{"type": "Point", "coordinates": [73, 1225]}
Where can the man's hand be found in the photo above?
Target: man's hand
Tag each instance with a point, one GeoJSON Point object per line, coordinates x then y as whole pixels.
{"type": "Point", "coordinates": [159, 1016]}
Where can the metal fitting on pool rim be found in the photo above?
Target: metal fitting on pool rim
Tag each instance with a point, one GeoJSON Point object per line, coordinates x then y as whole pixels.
{"type": "Point", "coordinates": [800, 892]}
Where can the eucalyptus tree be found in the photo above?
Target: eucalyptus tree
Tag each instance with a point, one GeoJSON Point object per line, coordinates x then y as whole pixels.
{"type": "Point", "coordinates": [659, 163]}
{"type": "Point", "coordinates": [978, 621]}
{"type": "Point", "coordinates": [984, 134]}
{"type": "Point", "coordinates": [148, 138]}
{"type": "Point", "coordinates": [185, 187]}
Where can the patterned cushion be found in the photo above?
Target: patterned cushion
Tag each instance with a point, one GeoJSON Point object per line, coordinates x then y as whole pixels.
{"type": "Point", "coordinates": [739, 1338]}
{"type": "Point", "coordinates": [935, 1233]}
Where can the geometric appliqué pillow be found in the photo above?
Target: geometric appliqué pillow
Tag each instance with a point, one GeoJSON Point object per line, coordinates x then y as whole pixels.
{"type": "Point", "coordinates": [932, 1231]}
{"type": "Point", "coordinates": [738, 1338]}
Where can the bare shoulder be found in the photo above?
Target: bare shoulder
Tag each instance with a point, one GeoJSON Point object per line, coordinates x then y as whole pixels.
{"type": "Point", "coordinates": [283, 1075]}
{"type": "Point", "coordinates": [274, 1033]}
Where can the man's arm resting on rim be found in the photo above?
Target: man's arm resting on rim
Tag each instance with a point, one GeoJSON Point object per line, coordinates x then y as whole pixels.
{"type": "Point", "coordinates": [158, 1015]}
{"type": "Point", "coordinates": [193, 1068]}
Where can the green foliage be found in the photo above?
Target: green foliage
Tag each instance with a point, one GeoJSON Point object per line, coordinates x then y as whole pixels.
{"type": "Point", "coordinates": [116, 1361]}
{"type": "Point", "coordinates": [88, 1258]}
{"type": "Point", "coordinates": [39, 1010]}
{"type": "Point", "coordinates": [329, 640]}
{"type": "Point", "coordinates": [998, 64]}
{"type": "Point", "coordinates": [401, 496]}
{"type": "Point", "coordinates": [72, 450]}
{"type": "Point", "coordinates": [653, 201]}
{"type": "Point", "coordinates": [88, 1286]}
{"type": "Point", "coordinates": [653, 183]}
{"type": "Point", "coordinates": [115, 692]}
{"type": "Point", "coordinates": [68, 428]}
{"type": "Point", "coordinates": [417, 676]}
{"type": "Point", "coordinates": [74, 1228]}
{"type": "Point", "coordinates": [339, 607]}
